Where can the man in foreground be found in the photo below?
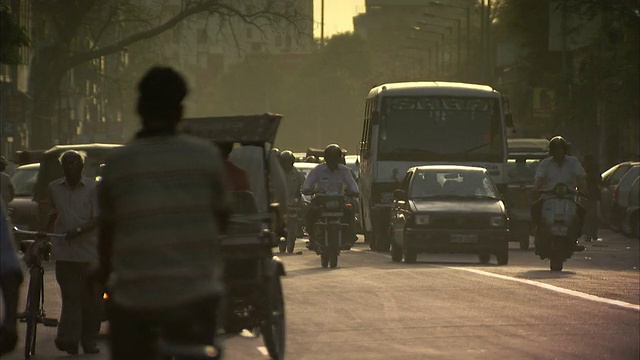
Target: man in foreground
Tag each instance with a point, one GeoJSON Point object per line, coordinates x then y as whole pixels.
{"type": "Point", "coordinates": [163, 203]}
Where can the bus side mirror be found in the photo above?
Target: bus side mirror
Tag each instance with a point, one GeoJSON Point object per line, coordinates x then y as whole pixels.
{"type": "Point", "coordinates": [508, 119]}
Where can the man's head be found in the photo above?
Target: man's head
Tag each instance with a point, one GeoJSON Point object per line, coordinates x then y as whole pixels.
{"type": "Point", "coordinates": [3, 163]}
{"type": "Point", "coordinates": [72, 164]}
{"type": "Point", "coordinates": [286, 160]}
{"type": "Point", "coordinates": [225, 149]}
{"type": "Point", "coordinates": [333, 156]}
{"type": "Point", "coordinates": [160, 95]}
{"type": "Point", "coordinates": [558, 147]}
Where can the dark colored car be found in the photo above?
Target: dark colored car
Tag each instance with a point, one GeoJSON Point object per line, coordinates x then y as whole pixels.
{"type": "Point", "coordinates": [449, 209]}
{"type": "Point", "coordinates": [22, 209]}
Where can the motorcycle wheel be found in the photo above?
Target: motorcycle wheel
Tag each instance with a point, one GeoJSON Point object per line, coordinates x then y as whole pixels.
{"type": "Point", "coordinates": [556, 264]}
{"type": "Point", "coordinates": [396, 252]}
{"type": "Point", "coordinates": [503, 257]}
{"type": "Point", "coordinates": [333, 259]}
{"type": "Point", "coordinates": [324, 260]}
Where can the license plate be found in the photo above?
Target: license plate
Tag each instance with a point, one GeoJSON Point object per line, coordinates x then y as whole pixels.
{"type": "Point", "coordinates": [464, 238]}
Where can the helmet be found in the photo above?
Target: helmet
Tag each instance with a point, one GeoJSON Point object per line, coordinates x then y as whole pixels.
{"type": "Point", "coordinates": [287, 157]}
{"type": "Point", "coordinates": [558, 142]}
{"type": "Point", "coordinates": [332, 151]}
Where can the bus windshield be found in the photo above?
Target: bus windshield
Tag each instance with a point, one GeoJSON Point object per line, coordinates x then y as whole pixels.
{"type": "Point", "coordinates": [441, 129]}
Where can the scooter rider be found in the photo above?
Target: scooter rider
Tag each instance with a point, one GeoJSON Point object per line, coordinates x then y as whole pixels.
{"type": "Point", "coordinates": [558, 168]}
{"type": "Point", "coordinates": [331, 178]}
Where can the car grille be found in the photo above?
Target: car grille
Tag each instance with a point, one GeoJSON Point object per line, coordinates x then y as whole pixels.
{"type": "Point", "coordinates": [459, 222]}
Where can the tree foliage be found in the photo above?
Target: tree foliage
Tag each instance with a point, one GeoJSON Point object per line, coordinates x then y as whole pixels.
{"type": "Point", "coordinates": [74, 32]}
{"type": "Point", "coordinates": [12, 38]}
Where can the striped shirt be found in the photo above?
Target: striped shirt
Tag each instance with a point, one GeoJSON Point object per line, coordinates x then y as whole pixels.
{"type": "Point", "coordinates": [161, 194]}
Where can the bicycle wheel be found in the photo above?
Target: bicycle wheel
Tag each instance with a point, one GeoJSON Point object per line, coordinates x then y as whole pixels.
{"type": "Point", "coordinates": [273, 323]}
{"type": "Point", "coordinates": [33, 306]}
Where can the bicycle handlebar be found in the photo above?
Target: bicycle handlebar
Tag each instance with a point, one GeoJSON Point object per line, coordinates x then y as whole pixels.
{"type": "Point", "coordinates": [37, 233]}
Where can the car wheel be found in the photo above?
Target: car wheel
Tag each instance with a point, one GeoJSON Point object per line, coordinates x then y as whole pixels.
{"type": "Point", "coordinates": [484, 258]}
{"type": "Point", "coordinates": [503, 257]}
{"type": "Point", "coordinates": [410, 256]}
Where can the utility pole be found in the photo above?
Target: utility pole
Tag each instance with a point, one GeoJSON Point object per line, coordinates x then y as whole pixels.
{"type": "Point", "coordinates": [321, 22]}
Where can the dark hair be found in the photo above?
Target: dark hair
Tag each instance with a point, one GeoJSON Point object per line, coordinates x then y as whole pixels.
{"type": "Point", "coordinates": [161, 91]}
{"type": "Point", "coordinates": [225, 149]}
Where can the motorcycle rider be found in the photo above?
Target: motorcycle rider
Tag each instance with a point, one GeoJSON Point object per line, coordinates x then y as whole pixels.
{"type": "Point", "coordinates": [558, 168]}
{"type": "Point", "coordinates": [332, 178]}
{"type": "Point", "coordinates": [295, 178]}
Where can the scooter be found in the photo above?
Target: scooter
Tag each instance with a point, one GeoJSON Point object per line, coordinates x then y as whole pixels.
{"type": "Point", "coordinates": [559, 225]}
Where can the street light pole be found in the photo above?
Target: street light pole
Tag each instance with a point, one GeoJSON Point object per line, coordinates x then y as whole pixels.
{"type": "Point", "coordinates": [435, 32]}
{"type": "Point", "coordinates": [459, 33]}
{"type": "Point", "coordinates": [468, 12]}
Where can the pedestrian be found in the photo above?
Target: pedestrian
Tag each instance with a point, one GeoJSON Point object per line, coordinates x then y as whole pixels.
{"type": "Point", "coordinates": [10, 280]}
{"type": "Point", "coordinates": [6, 187]}
{"type": "Point", "coordinates": [163, 205]}
{"type": "Point", "coordinates": [593, 197]}
{"type": "Point", "coordinates": [75, 213]}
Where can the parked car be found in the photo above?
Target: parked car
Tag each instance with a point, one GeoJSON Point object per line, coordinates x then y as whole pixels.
{"type": "Point", "coordinates": [449, 209]}
{"type": "Point", "coordinates": [524, 156]}
{"type": "Point", "coordinates": [50, 169]}
{"type": "Point", "coordinates": [611, 179]}
{"type": "Point", "coordinates": [620, 200]}
{"type": "Point", "coordinates": [23, 209]}
{"type": "Point", "coordinates": [632, 215]}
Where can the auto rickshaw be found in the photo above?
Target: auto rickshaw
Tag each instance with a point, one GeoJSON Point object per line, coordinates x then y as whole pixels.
{"type": "Point", "coordinates": [254, 299]}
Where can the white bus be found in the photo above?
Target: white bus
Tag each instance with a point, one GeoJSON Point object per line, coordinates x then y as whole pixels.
{"type": "Point", "coordinates": [421, 123]}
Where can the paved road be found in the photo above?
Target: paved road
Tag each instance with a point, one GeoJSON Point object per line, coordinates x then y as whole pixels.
{"type": "Point", "coordinates": [446, 307]}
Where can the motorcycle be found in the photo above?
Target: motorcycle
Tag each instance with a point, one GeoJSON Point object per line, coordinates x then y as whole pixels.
{"type": "Point", "coordinates": [294, 223]}
{"type": "Point", "coordinates": [330, 229]}
{"type": "Point", "coordinates": [559, 226]}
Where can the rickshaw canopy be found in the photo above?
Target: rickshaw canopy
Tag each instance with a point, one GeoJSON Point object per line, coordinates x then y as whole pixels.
{"type": "Point", "coordinates": [244, 129]}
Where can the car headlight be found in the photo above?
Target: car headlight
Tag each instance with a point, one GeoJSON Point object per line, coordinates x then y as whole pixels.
{"type": "Point", "coordinates": [422, 219]}
{"type": "Point", "coordinates": [498, 221]}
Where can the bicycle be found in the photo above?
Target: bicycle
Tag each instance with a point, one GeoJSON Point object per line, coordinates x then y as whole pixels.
{"type": "Point", "coordinates": [35, 251]}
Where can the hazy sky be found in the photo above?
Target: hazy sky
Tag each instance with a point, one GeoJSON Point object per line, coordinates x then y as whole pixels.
{"type": "Point", "coordinates": [338, 15]}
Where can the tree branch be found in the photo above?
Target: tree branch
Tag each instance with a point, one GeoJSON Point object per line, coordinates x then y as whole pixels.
{"type": "Point", "coordinates": [80, 58]}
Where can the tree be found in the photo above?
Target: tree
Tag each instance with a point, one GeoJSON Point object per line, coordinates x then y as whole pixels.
{"type": "Point", "coordinates": [12, 37]}
{"type": "Point", "coordinates": [74, 32]}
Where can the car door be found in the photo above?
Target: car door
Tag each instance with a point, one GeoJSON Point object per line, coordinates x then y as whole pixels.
{"type": "Point", "coordinates": [611, 178]}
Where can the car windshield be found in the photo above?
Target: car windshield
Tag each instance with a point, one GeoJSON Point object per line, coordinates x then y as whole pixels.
{"type": "Point", "coordinates": [423, 127]}
{"type": "Point", "coordinates": [522, 169]}
{"type": "Point", "coordinates": [452, 183]}
{"type": "Point", "coordinates": [23, 181]}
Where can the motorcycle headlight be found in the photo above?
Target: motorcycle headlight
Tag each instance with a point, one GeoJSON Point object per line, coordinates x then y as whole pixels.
{"type": "Point", "coordinates": [498, 221]}
{"type": "Point", "coordinates": [422, 219]}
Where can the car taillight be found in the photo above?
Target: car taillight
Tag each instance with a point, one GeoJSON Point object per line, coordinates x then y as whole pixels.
{"type": "Point", "coordinates": [615, 194]}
